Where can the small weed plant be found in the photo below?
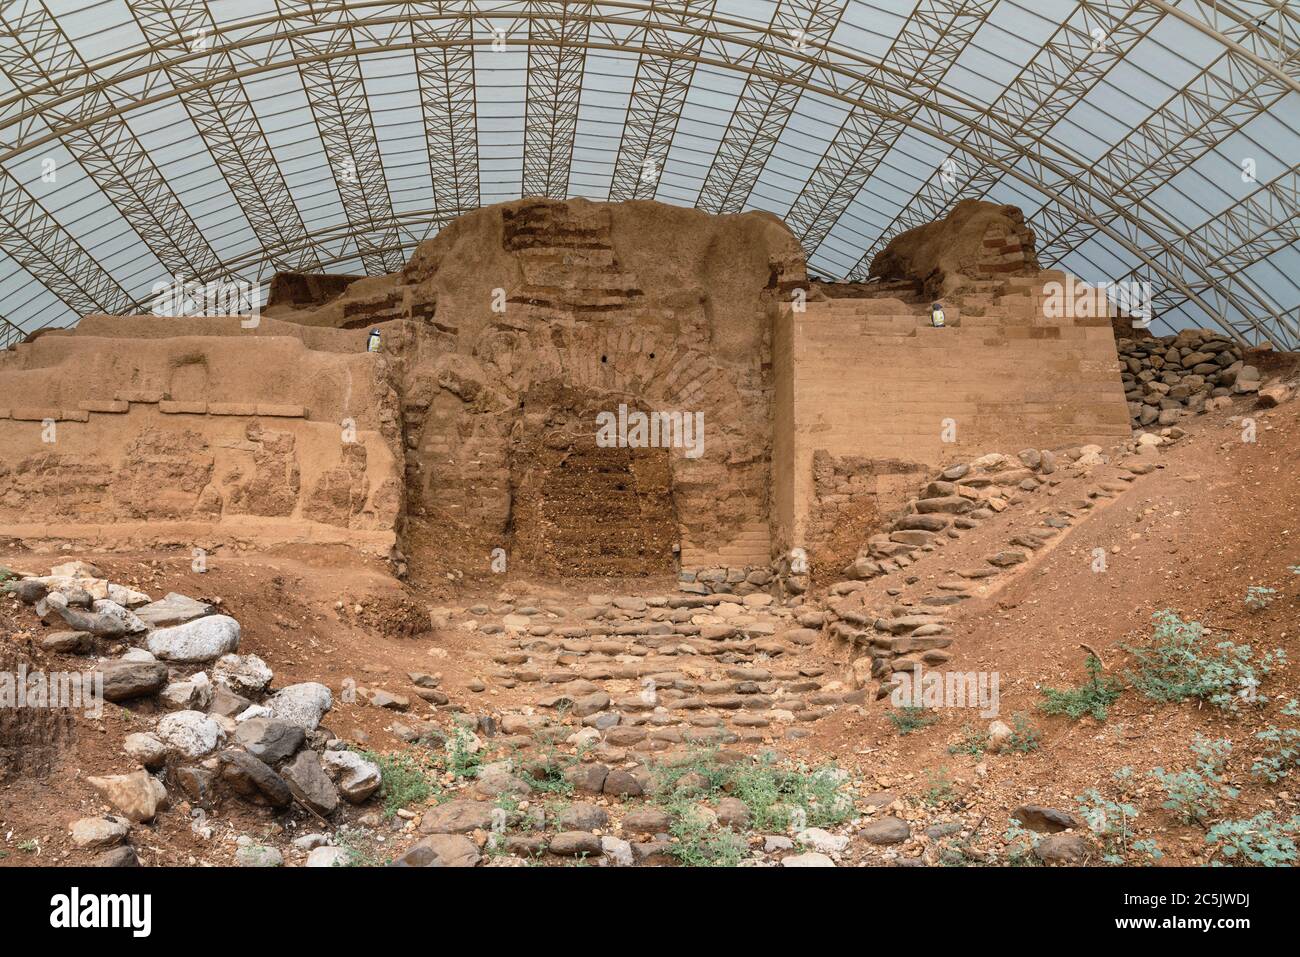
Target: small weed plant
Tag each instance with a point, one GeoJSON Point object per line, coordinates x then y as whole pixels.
{"type": "Point", "coordinates": [1263, 840]}
{"type": "Point", "coordinates": [1092, 698]}
{"type": "Point", "coordinates": [911, 718]}
{"type": "Point", "coordinates": [1198, 793]}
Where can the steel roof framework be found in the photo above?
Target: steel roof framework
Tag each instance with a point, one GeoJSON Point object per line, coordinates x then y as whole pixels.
{"type": "Point", "coordinates": [791, 65]}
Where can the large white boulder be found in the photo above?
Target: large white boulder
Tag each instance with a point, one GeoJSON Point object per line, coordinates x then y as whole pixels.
{"type": "Point", "coordinates": [204, 639]}
{"type": "Point", "coordinates": [191, 733]}
{"type": "Point", "coordinates": [301, 704]}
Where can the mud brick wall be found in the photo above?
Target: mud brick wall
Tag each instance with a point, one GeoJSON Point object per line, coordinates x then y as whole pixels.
{"type": "Point", "coordinates": [869, 381]}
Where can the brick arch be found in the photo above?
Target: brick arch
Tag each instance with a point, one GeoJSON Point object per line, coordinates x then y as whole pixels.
{"type": "Point", "coordinates": [722, 492]}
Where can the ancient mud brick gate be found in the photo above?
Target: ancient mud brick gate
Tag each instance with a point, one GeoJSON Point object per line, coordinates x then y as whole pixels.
{"type": "Point", "coordinates": [474, 427]}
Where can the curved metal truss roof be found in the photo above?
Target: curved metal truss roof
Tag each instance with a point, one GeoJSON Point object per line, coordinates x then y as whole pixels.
{"type": "Point", "coordinates": [216, 139]}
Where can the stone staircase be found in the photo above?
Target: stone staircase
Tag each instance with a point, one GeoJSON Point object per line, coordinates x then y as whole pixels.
{"type": "Point", "coordinates": [900, 604]}
{"type": "Point", "coordinates": [650, 673]}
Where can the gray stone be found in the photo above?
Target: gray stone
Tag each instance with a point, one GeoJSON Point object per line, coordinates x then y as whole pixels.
{"type": "Point", "coordinates": [459, 816]}
{"type": "Point", "coordinates": [138, 796]}
{"type": "Point", "coordinates": [646, 820]}
{"type": "Point", "coordinates": [582, 817]}
{"type": "Point", "coordinates": [356, 777]}
{"type": "Point", "coordinates": [204, 639]}
{"type": "Point", "coordinates": [226, 703]}
{"type": "Point", "coordinates": [811, 859]}
{"type": "Point", "coordinates": [99, 832]}
{"type": "Point", "coordinates": [575, 844]}
{"type": "Point", "coordinates": [733, 813]}
{"type": "Point", "coordinates": [68, 643]}
{"type": "Point", "coordinates": [617, 851]}
{"type": "Point", "coordinates": [1046, 820]}
{"type": "Point", "coordinates": [258, 855]}
{"type": "Point", "coordinates": [309, 783]}
{"type": "Point", "coordinates": [243, 674]}
{"type": "Point", "coordinates": [146, 749]}
{"type": "Point", "coordinates": [888, 830]}
{"type": "Point", "coordinates": [441, 850]}
{"type": "Point", "coordinates": [117, 857]}
{"type": "Point", "coordinates": [195, 693]}
{"type": "Point", "coordinates": [174, 609]}
{"type": "Point", "coordinates": [622, 784]}
{"type": "Point", "coordinates": [28, 590]}
{"type": "Point", "coordinates": [823, 841]}
{"type": "Point", "coordinates": [1008, 558]}
{"type": "Point", "coordinates": [252, 780]}
{"type": "Point", "coordinates": [128, 619]}
{"type": "Point", "coordinates": [269, 739]}
{"type": "Point", "coordinates": [190, 733]}
{"type": "Point", "coordinates": [302, 704]}
{"type": "Point", "coordinates": [1063, 849]}
{"type": "Point", "coordinates": [587, 778]}
{"type": "Point", "coordinates": [331, 857]}
{"type": "Point", "coordinates": [98, 624]}
{"type": "Point", "coordinates": [493, 782]}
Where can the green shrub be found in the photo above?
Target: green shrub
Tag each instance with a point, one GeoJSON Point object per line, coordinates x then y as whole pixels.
{"type": "Point", "coordinates": [405, 780]}
{"type": "Point", "coordinates": [774, 793]}
{"type": "Point", "coordinates": [1112, 821]}
{"type": "Point", "coordinates": [1024, 736]}
{"type": "Point", "coordinates": [1020, 843]}
{"type": "Point", "coordinates": [1281, 748]}
{"type": "Point", "coordinates": [939, 788]}
{"type": "Point", "coordinates": [1198, 792]}
{"type": "Point", "coordinates": [973, 742]}
{"type": "Point", "coordinates": [1093, 697]}
{"type": "Point", "coordinates": [1262, 840]}
{"type": "Point", "coordinates": [1177, 665]}
{"type": "Point", "coordinates": [911, 718]}
{"type": "Point", "coordinates": [1258, 597]}
{"type": "Point", "coordinates": [779, 795]}
{"type": "Point", "coordinates": [697, 845]}
{"type": "Point", "coordinates": [461, 760]}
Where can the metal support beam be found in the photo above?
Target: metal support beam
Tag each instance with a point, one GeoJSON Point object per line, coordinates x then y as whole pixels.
{"type": "Point", "coordinates": [659, 89]}
{"type": "Point", "coordinates": [336, 92]}
{"type": "Point", "coordinates": [37, 242]}
{"type": "Point", "coordinates": [444, 69]}
{"type": "Point", "coordinates": [767, 101]}
{"type": "Point", "coordinates": [33, 51]}
{"type": "Point", "coordinates": [224, 117]}
{"type": "Point", "coordinates": [928, 43]}
{"type": "Point", "coordinates": [557, 55]}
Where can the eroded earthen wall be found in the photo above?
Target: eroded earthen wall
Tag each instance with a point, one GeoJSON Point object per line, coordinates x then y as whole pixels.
{"type": "Point", "coordinates": [537, 315]}
{"type": "Point", "coordinates": [119, 431]}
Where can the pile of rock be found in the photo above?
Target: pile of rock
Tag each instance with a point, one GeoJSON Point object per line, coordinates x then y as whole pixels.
{"type": "Point", "coordinates": [956, 499]}
{"type": "Point", "coordinates": [1167, 377]}
{"type": "Point", "coordinates": [225, 733]}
